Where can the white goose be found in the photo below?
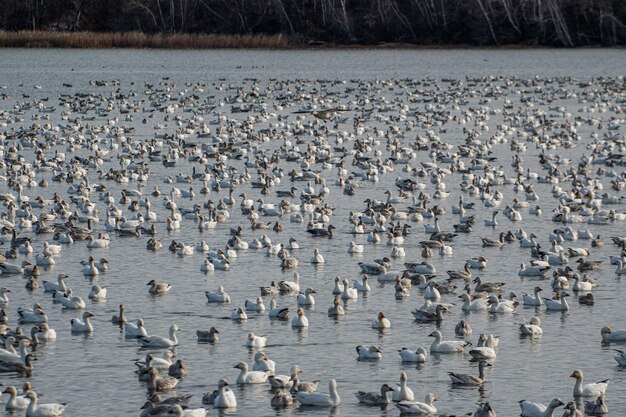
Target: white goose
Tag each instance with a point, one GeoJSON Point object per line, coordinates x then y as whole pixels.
{"type": "Point", "coordinates": [160, 341]}
{"type": "Point", "coordinates": [319, 399]}
{"type": "Point", "coordinates": [425, 408]}
{"type": "Point", "coordinates": [402, 392]}
{"type": "Point", "coordinates": [559, 304]}
{"type": "Point", "coordinates": [419, 356]}
{"type": "Point", "coordinates": [84, 325]}
{"type": "Point", "coordinates": [220, 296]}
{"type": "Point", "coordinates": [226, 397]}
{"type": "Point", "coordinates": [250, 377]}
{"type": "Point", "coordinates": [530, 409]}
{"type": "Point", "coordinates": [448, 346]}
{"type": "Point", "coordinates": [594, 389]}
{"type": "Point", "coordinates": [43, 410]}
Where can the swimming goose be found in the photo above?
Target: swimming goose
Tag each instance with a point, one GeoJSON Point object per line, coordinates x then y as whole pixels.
{"type": "Point", "coordinates": [121, 317]}
{"type": "Point", "coordinates": [132, 330]}
{"type": "Point", "coordinates": [19, 366]}
{"type": "Point", "coordinates": [597, 408]}
{"type": "Point", "coordinates": [317, 257]}
{"type": "Point", "coordinates": [402, 392]}
{"type": "Point", "coordinates": [158, 383]}
{"type": "Point", "coordinates": [328, 232]}
{"type": "Point", "coordinates": [270, 290]}
{"type": "Point", "coordinates": [284, 381]}
{"type": "Point", "coordinates": [484, 410]}
{"type": "Point", "coordinates": [263, 363]}
{"type": "Point", "coordinates": [306, 299]}
{"type": "Point", "coordinates": [354, 248]}
{"type": "Point", "coordinates": [300, 320]}
{"type": "Point", "coordinates": [238, 314]}
{"type": "Point", "coordinates": [290, 286]}
{"type": "Point", "coordinates": [465, 274]}
{"type": "Point", "coordinates": [90, 270]}
{"type": "Point", "coordinates": [415, 407]}
{"type": "Point", "coordinates": [217, 297]}
{"type": "Point", "coordinates": [462, 328]}
{"type": "Point", "coordinates": [479, 304]}
{"type": "Point", "coordinates": [533, 301]}
{"type": "Point", "coordinates": [532, 271]}
{"type": "Point", "coordinates": [450, 346]}
{"type": "Point", "coordinates": [484, 350]}
{"type": "Point", "coordinates": [348, 292]}
{"type": "Point", "coordinates": [381, 322]}
{"type": "Point", "coordinates": [374, 398]}
{"type": "Point", "coordinates": [43, 410]}
{"type": "Point", "coordinates": [427, 317]}
{"type": "Point", "coordinates": [559, 304]}
{"type": "Point", "coordinates": [157, 288]}
{"type": "Point", "coordinates": [97, 293]}
{"type": "Point", "coordinates": [368, 353]}
{"type": "Point", "coordinates": [254, 341]}
{"type": "Point", "coordinates": [331, 399]}
{"type": "Point", "coordinates": [210, 335]}
{"type": "Point", "coordinates": [609, 335]}
{"type": "Point", "coordinates": [178, 369]}
{"type": "Point", "coordinates": [59, 286]}
{"type": "Point", "coordinates": [84, 325]}
{"type": "Point", "coordinates": [492, 222]}
{"type": "Point", "coordinates": [496, 306]}
{"type": "Point", "coordinates": [466, 379]}
{"type": "Point", "coordinates": [160, 341]}
{"type": "Point", "coordinates": [533, 328]}
{"type": "Point", "coordinates": [593, 389]}
{"type": "Point", "coordinates": [15, 402]}
{"type": "Point", "coordinates": [336, 309]}
{"type": "Point", "coordinates": [281, 399]}
{"type": "Point", "coordinates": [225, 397]}
{"type": "Point", "coordinates": [45, 332]}
{"type": "Point", "coordinates": [257, 306]}
{"type": "Point", "coordinates": [530, 409]}
{"type": "Point", "coordinates": [250, 377]}
{"type": "Point", "coordinates": [36, 315]}
{"type": "Point", "coordinates": [278, 313]}
{"type": "Point", "coordinates": [419, 356]}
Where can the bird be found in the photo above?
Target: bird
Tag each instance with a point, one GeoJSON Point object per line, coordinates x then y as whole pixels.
{"type": "Point", "coordinates": [375, 398]}
{"type": "Point", "coordinates": [597, 408]}
{"type": "Point", "coordinates": [254, 341]}
{"type": "Point", "coordinates": [484, 410]}
{"type": "Point", "coordinates": [533, 328]}
{"type": "Point", "coordinates": [300, 320]}
{"type": "Point", "coordinates": [368, 352]}
{"type": "Point", "coordinates": [219, 296]}
{"type": "Point", "coordinates": [419, 356]}
{"type": "Point", "coordinates": [467, 379]}
{"type": "Point", "coordinates": [319, 399]}
{"type": "Point", "coordinates": [593, 389]}
{"type": "Point", "coordinates": [161, 341]}
{"type": "Point", "coordinates": [84, 325]}
{"type": "Point", "coordinates": [132, 330]}
{"type": "Point", "coordinates": [281, 399]}
{"type": "Point", "coordinates": [530, 409]}
{"type": "Point", "coordinates": [43, 410]}
{"type": "Point", "coordinates": [211, 335]}
{"type": "Point", "coordinates": [158, 383]}
{"type": "Point", "coordinates": [381, 322]}
{"type": "Point", "coordinates": [609, 335]}
{"type": "Point", "coordinates": [250, 377]}
{"type": "Point", "coordinates": [402, 392]}
{"type": "Point", "coordinates": [440, 346]}
{"type": "Point", "coordinates": [157, 288]}
{"type": "Point", "coordinates": [419, 408]}
{"type": "Point", "coordinates": [15, 402]}
{"type": "Point", "coordinates": [226, 397]}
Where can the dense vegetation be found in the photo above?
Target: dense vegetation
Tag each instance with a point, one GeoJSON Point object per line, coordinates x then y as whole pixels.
{"type": "Point", "coordinates": [476, 22]}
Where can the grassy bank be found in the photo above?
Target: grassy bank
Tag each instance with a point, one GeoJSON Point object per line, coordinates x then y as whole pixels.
{"type": "Point", "coordinates": [47, 39]}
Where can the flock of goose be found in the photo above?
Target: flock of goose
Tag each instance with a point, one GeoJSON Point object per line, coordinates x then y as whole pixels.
{"type": "Point", "coordinates": [269, 176]}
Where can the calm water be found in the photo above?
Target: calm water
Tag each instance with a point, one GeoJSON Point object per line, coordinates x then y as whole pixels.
{"type": "Point", "coordinates": [96, 373]}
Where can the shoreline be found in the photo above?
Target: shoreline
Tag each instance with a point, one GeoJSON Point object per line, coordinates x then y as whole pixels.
{"type": "Point", "coordinates": [137, 40]}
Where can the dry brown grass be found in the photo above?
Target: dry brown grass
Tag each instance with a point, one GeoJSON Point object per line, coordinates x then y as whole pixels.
{"type": "Point", "coordinates": [46, 39]}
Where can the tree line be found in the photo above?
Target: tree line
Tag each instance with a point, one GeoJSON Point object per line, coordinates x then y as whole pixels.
{"type": "Point", "coordinates": [423, 22]}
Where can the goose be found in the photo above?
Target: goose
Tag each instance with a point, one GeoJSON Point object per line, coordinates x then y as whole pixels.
{"type": "Point", "coordinates": [368, 353]}
{"type": "Point", "coordinates": [43, 410]}
{"type": "Point", "coordinates": [480, 304]}
{"type": "Point", "coordinates": [402, 392]}
{"type": "Point", "coordinates": [465, 274]}
{"type": "Point", "coordinates": [161, 341]}
{"type": "Point", "coordinates": [90, 269]}
{"type": "Point", "coordinates": [484, 410]}
{"type": "Point", "coordinates": [19, 366]}
{"type": "Point", "coordinates": [157, 383]}
{"type": "Point", "coordinates": [492, 222]}
{"type": "Point", "coordinates": [317, 257]}
{"type": "Point", "coordinates": [374, 398]}
{"type": "Point", "coordinates": [488, 287]}
{"type": "Point", "coordinates": [331, 399]}
{"type": "Point", "coordinates": [225, 398]}
{"type": "Point", "coordinates": [263, 363]}
{"type": "Point", "coordinates": [68, 300]}
{"type": "Point", "coordinates": [45, 332]}
{"type": "Point", "coordinates": [4, 298]}
{"type": "Point", "coordinates": [336, 309]}
{"type": "Point", "coordinates": [97, 293]}
{"type": "Point", "coordinates": [254, 341]}
{"type": "Point", "coordinates": [594, 389]}
{"type": "Point", "coordinates": [59, 286]}
{"type": "Point", "coordinates": [238, 314]}
{"type": "Point", "coordinates": [597, 408]}
{"type": "Point", "coordinates": [609, 335]}
{"type": "Point", "coordinates": [36, 315]}
{"type": "Point", "coordinates": [462, 328]}
{"type": "Point", "coordinates": [559, 304]}
{"type": "Point", "coordinates": [306, 299]}
{"type": "Point", "coordinates": [419, 356]}
{"type": "Point", "coordinates": [431, 292]}
{"type": "Point", "coordinates": [495, 306]}
{"type": "Point", "coordinates": [533, 328]}
{"type": "Point", "coordinates": [281, 399]}
{"type": "Point", "coordinates": [278, 313]}
{"type": "Point", "coordinates": [217, 297]}
{"type": "Point", "coordinates": [178, 369]}
{"type": "Point", "coordinates": [466, 379]}
{"type": "Point", "coordinates": [381, 322]}
{"type": "Point", "coordinates": [529, 300]}
{"type": "Point", "coordinates": [414, 407]}
{"type": "Point", "coordinates": [15, 402]}
{"type": "Point", "coordinates": [497, 243]}
{"type": "Point", "coordinates": [135, 330]}
{"type": "Point", "coordinates": [290, 286]}
{"type": "Point", "coordinates": [210, 335]}
{"type": "Point", "coordinates": [250, 377]}
{"type": "Point", "coordinates": [82, 326]}
{"type": "Point", "coordinates": [427, 316]}
{"type": "Point", "coordinates": [484, 350]}
{"type": "Point", "coordinates": [581, 286]}
{"type": "Point", "coordinates": [354, 248]}
{"type": "Point", "coordinates": [479, 262]}
{"type": "Point", "coordinates": [300, 320]}
{"type": "Point", "coordinates": [348, 293]}
{"type": "Point", "coordinates": [532, 271]}
{"type": "Point", "coordinates": [255, 305]}
{"type": "Point", "coordinates": [157, 288]}
{"type": "Point", "coordinates": [529, 242]}
{"type": "Point", "coordinates": [452, 346]}
{"type": "Point", "coordinates": [530, 409]}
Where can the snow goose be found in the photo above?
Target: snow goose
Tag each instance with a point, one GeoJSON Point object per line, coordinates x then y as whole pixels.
{"type": "Point", "coordinates": [529, 300]}
{"type": "Point", "coordinates": [533, 328]}
{"type": "Point", "coordinates": [97, 293]}
{"type": "Point", "coordinates": [82, 326]}
{"type": "Point", "coordinates": [281, 399]}
{"type": "Point", "coordinates": [300, 320]}
{"type": "Point", "coordinates": [250, 377]}
{"type": "Point", "coordinates": [43, 410]}
{"type": "Point", "coordinates": [449, 346]}
{"type": "Point", "coordinates": [381, 322]}
{"type": "Point", "coordinates": [319, 399]}
{"type": "Point", "coordinates": [161, 341]}
{"type": "Point", "coordinates": [368, 353]}
{"type": "Point", "coordinates": [348, 292]}
{"type": "Point", "coordinates": [336, 309]}
{"type": "Point", "coordinates": [157, 288]}
{"type": "Point", "coordinates": [306, 299]}
{"type": "Point", "coordinates": [595, 408]}
{"type": "Point", "coordinates": [415, 407]}
{"type": "Point", "coordinates": [252, 305]}
{"type": "Point", "coordinates": [593, 389]}
{"type": "Point", "coordinates": [402, 392]}
{"type": "Point", "coordinates": [354, 248]}
{"type": "Point", "coordinates": [59, 286]}
{"type": "Point", "coordinates": [132, 330]}
{"type": "Point", "coordinates": [263, 363]}
{"type": "Point", "coordinates": [479, 304]}
{"type": "Point", "coordinates": [374, 398]}
{"type": "Point", "coordinates": [609, 335]}
{"type": "Point", "coordinates": [254, 341]}
{"type": "Point", "coordinates": [238, 314]}
{"type": "Point", "coordinates": [219, 296]}
{"type": "Point", "coordinates": [278, 313]}
{"type": "Point", "coordinates": [530, 409]}
{"type": "Point", "coordinates": [15, 402]}
{"type": "Point", "coordinates": [226, 397]}
{"type": "Point", "coordinates": [317, 257]}
{"type": "Point", "coordinates": [419, 356]}
{"type": "Point", "coordinates": [558, 304]}
{"type": "Point", "coordinates": [158, 383]}
{"type": "Point", "coordinates": [290, 286]}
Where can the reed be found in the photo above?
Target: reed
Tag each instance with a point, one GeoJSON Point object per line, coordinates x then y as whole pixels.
{"type": "Point", "coordinates": [94, 40]}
